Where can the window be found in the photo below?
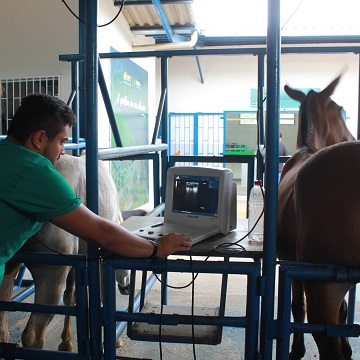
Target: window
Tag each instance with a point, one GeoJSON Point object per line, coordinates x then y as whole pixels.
{"type": "Point", "coordinates": [13, 90]}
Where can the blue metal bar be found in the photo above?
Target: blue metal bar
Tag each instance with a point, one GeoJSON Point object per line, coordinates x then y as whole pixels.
{"type": "Point", "coordinates": [46, 309]}
{"type": "Point", "coordinates": [75, 104]}
{"type": "Point", "coordinates": [222, 51]}
{"type": "Point", "coordinates": [164, 290]}
{"type": "Point", "coordinates": [24, 293]}
{"type": "Point", "coordinates": [156, 178]}
{"type": "Point", "coordinates": [164, 125]}
{"type": "Point", "coordinates": [199, 68]}
{"type": "Point", "coordinates": [284, 314]}
{"type": "Point", "coordinates": [261, 117]}
{"type": "Point", "coordinates": [109, 108]}
{"type": "Point", "coordinates": [271, 173]}
{"type": "Point", "coordinates": [164, 20]}
{"type": "Point", "coordinates": [109, 307]}
{"type": "Point", "coordinates": [165, 23]}
{"type": "Point", "coordinates": [358, 129]}
{"type": "Point", "coordinates": [82, 76]}
{"type": "Point", "coordinates": [47, 258]}
{"type": "Point", "coordinates": [149, 2]}
{"type": "Point", "coordinates": [159, 116]}
{"type": "Point", "coordinates": [19, 277]}
{"type": "Point", "coordinates": [82, 316]}
{"type": "Point", "coordinates": [91, 116]}
{"type": "Point", "coordinates": [196, 135]}
{"type": "Point", "coordinates": [112, 153]}
{"type": "Point", "coordinates": [252, 312]}
{"type": "Point", "coordinates": [351, 305]}
{"type": "Point", "coordinates": [25, 353]}
{"type": "Point", "coordinates": [158, 266]}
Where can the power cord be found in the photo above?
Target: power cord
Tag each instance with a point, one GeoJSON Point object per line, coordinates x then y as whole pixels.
{"type": "Point", "coordinates": [165, 285]}
{"type": "Point", "coordinates": [108, 23]}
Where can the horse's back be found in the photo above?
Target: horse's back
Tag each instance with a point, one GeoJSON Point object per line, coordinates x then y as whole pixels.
{"type": "Point", "coordinates": [327, 206]}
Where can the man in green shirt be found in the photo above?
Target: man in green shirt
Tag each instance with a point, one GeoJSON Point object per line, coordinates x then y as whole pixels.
{"type": "Point", "coordinates": [32, 191]}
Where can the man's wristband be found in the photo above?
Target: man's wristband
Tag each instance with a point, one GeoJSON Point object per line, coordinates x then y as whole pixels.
{"type": "Point", "coordinates": [155, 249]}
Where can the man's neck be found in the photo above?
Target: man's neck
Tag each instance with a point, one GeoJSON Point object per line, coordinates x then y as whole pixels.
{"type": "Point", "coordinates": [27, 144]}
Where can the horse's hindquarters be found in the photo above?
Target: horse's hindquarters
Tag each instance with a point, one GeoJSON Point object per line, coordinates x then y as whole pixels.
{"type": "Point", "coordinates": [328, 208]}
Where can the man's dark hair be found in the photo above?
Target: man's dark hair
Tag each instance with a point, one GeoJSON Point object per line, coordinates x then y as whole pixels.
{"type": "Point", "coordinates": [40, 112]}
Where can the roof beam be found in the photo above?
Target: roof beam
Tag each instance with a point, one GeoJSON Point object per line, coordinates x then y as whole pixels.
{"type": "Point", "coordinates": [149, 2]}
{"type": "Point", "coordinates": [165, 23]}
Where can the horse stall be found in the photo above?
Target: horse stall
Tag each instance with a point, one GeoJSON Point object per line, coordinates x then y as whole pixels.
{"type": "Point", "coordinates": [99, 323]}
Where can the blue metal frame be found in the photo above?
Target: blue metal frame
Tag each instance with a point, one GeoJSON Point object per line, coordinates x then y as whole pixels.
{"type": "Point", "coordinates": [80, 310]}
{"type": "Point", "coordinates": [249, 322]}
{"type": "Point", "coordinates": [271, 173]}
{"type": "Point", "coordinates": [282, 328]}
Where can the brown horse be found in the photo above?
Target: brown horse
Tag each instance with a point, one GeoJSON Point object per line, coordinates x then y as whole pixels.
{"type": "Point", "coordinates": [321, 125]}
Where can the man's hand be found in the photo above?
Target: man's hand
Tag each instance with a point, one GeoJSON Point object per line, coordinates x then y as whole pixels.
{"type": "Point", "coordinates": [170, 243]}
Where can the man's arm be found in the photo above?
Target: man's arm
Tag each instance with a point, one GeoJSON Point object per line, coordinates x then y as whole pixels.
{"type": "Point", "coordinates": [85, 224]}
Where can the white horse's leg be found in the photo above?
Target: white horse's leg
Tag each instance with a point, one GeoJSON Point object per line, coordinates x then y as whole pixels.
{"type": "Point", "coordinates": [6, 289]}
{"type": "Point", "coordinates": [49, 282]}
{"type": "Point", "coordinates": [123, 280]}
{"type": "Point", "coordinates": [69, 300]}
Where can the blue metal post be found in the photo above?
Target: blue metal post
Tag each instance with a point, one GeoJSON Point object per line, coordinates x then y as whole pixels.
{"type": "Point", "coordinates": [75, 105]}
{"type": "Point", "coordinates": [91, 67]}
{"type": "Point", "coordinates": [164, 123]}
{"type": "Point", "coordinates": [196, 135]}
{"type": "Point", "coordinates": [109, 307]}
{"type": "Point", "coordinates": [358, 131]}
{"type": "Point", "coordinates": [271, 173]}
{"type": "Point", "coordinates": [260, 99]}
{"type": "Point", "coordinates": [284, 314]}
{"type": "Point", "coordinates": [82, 77]}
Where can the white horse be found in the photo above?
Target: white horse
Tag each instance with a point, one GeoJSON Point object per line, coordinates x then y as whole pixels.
{"type": "Point", "coordinates": [50, 281]}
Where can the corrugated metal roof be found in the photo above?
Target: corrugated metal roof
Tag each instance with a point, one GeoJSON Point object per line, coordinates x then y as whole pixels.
{"type": "Point", "coordinates": [144, 13]}
{"type": "Point", "coordinates": [168, 20]}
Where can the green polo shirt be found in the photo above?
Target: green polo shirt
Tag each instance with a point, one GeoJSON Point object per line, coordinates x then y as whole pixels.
{"type": "Point", "coordinates": [31, 192]}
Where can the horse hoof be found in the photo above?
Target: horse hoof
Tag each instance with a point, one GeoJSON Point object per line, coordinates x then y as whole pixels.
{"type": "Point", "coordinates": [66, 346]}
{"type": "Point", "coordinates": [296, 356]}
{"type": "Point", "coordinates": [124, 290]}
{"type": "Point", "coordinates": [118, 343]}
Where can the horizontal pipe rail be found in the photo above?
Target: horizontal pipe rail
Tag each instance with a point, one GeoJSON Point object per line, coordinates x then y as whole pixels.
{"type": "Point", "coordinates": [47, 258]}
{"type": "Point", "coordinates": [25, 353]}
{"type": "Point", "coordinates": [176, 319]}
{"type": "Point", "coordinates": [320, 272]}
{"type": "Point", "coordinates": [39, 308]}
{"type": "Point", "coordinates": [110, 153]}
{"type": "Point", "coordinates": [219, 51]}
{"type": "Point", "coordinates": [159, 266]}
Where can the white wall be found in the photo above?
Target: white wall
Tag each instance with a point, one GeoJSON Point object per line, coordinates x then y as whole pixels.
{"type": "Point", "coordinates": [36, 32]}
{"type": "Point", "coordinates": [33, 35]}
{"type": "Point", "coordinates": [228, 80]}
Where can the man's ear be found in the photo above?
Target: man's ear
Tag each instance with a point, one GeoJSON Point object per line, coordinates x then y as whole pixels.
{"type": "Point", "coordinates": [39, 139]}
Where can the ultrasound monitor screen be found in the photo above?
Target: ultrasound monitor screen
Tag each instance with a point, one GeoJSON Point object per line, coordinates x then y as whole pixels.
{"type": "Point", "coordinates": [196, 195]}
